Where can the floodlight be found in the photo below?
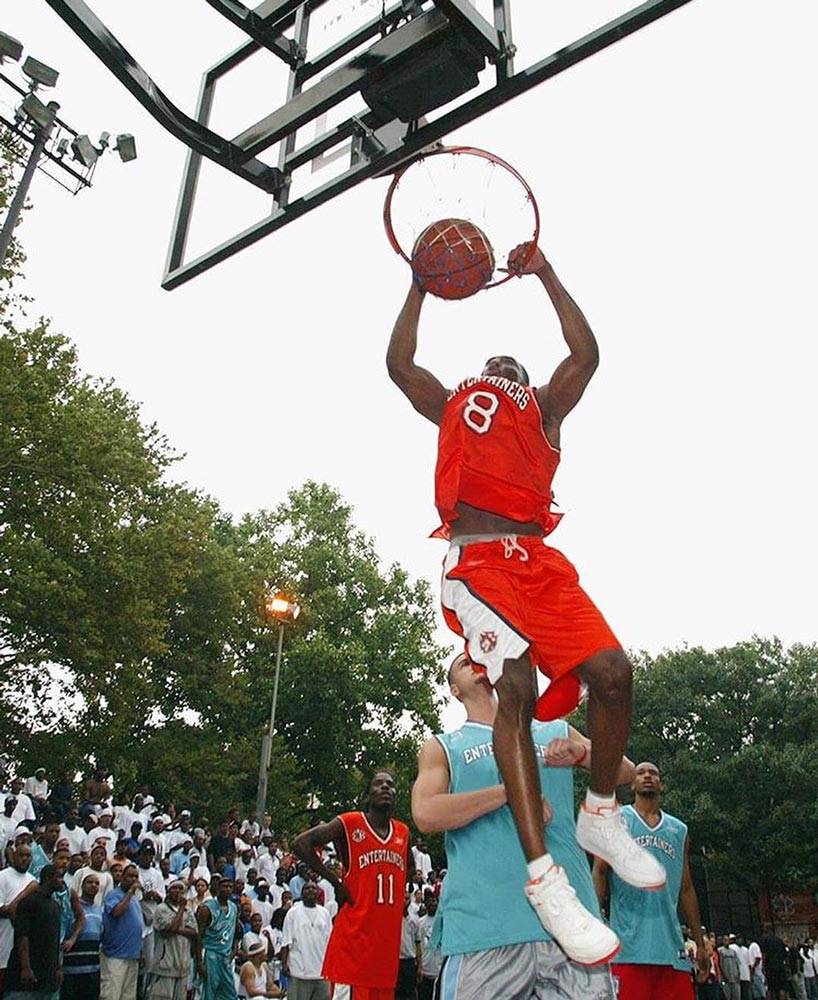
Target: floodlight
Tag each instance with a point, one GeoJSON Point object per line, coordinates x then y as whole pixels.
{"type": "Point", "coordinates": [39, 74]}
{"type": "Point", "coordinates": [62, 148]}
{"type": "Point", "coordinates": [282, 608]}
{"type": "Point", "coordinates": [34, 109]}
{"type": "Point", "coordinates": [126, 147]}
{"type": "Point", "coordinates": [104, 138]}
{"type": "Point", "coordinates": [84, 151]}
{"type": "Point", "coordinates": [10, 48]}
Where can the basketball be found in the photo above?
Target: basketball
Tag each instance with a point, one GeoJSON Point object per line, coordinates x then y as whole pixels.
{"type": "Point", "coordinates": [453, 259]}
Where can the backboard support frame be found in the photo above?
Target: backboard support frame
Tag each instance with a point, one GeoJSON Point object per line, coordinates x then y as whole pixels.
{"type": "Point", "coordinates": [377, 148]}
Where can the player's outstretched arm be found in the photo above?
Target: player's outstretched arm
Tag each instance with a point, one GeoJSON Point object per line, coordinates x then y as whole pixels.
{"type": "Point", "coordinates": [573, 374]}
{"type": "Point", "coordinates": [420, 386]}
{"type": "Point", "coordinates": [434, 807]}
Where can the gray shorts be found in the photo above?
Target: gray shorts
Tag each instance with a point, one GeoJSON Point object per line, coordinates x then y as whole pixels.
{"type": "Point", "coordinates": [535, 971]}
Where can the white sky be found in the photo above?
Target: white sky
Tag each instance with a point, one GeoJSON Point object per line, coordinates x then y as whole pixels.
{"type": "Point", "coordinates": [676, 177]}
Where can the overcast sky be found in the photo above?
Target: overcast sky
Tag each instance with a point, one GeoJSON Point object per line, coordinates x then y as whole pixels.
{"type": "Point", "coordinates": [675, 173]}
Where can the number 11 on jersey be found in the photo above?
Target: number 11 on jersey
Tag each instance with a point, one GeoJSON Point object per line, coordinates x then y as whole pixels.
{"type": "Point", "coordinates": [387, 881]}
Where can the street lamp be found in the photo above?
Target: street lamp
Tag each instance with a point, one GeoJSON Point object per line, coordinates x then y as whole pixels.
{"type": "Point", "coordinates": [282, 609]}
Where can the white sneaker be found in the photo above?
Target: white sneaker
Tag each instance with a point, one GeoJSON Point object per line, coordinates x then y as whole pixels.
{"type": "Point", "coordinates": [582, 937]}
{"type": "Point", "coordinates": [603, 833]}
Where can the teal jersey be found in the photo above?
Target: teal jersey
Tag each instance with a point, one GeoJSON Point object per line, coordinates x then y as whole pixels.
{"type": "Point", "coordinates": [221, 930]}
{"type": "Point", "coordinates": [647, 921]}
{"type": "Point", "coordinates": [483, 904]}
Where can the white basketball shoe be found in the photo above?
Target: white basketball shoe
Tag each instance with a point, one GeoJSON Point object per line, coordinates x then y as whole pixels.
{"type": "Point", "coordinates": [603, 833]}
{"type": "Point", "coordinates": [582, 937]}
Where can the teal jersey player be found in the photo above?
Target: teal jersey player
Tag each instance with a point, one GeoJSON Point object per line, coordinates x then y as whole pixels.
{"type": "Point", "coordinates": [491, 938]}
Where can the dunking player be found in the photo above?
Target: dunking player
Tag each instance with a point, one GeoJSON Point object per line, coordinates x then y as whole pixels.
{"type": "Point", "coordinates": [493, 944]}
{"type": "Point", "coordinates": [518, 603]}
{"type": "Point", "coordinates": [653, 964]}
{"type": "Point", "coordinates": [362, 954]}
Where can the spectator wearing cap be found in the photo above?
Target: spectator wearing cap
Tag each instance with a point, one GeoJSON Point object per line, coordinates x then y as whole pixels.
{"type": "Point", "coordinates": [34, 964]}
{"type": "Point", "coordinates": [244, 862]}
{"type": "Point", "coordinates": [153, 893]}
{"type": "Point", "coordinates": [132, 842]}
{"type": "Point", "coordinates": [103, 833]}
{"type": "Point", "coordinates": [81, 949]}
{"type": "Point", "coordinates": [97, 866]}
{"type": "Point", "coordinates": [121, 943]}
{"type": "Point", "coordinates": [71, 831]}
{"type": "Point", "coordinates": [15, 884]}
{"type": "Point", "coordinates": [36, 788]}
{"type": "Point", "coordinates": [155, 835]}
{"type": "Point", "coordinates": [728, 964]}
{"type": "Point", "coordinates": [23, 811]}
{"type": "Point", "coordinates": [175, 932]}
{"type": "Point", "coordinates": [261, 901]}
{"type": "Point", "coordinates": [255, 975]}
{"type": "Point", "coordinates": [180, 833]}
{"type": "Point", "coordinates": [179, 856]}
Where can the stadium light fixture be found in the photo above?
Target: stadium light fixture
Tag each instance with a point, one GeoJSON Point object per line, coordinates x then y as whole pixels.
{"type": "Point", "coordinates": [34, 109]}
{"type": "Point", "coordinates": [39, 74]}
{"type": "Point", "coordinates": [10, 48]}
{"type": "Point", "coordinates": [281, 608]}
{"type": "Point", "coordinates": [84, 151]}
{"type": "Point", "coordinates": [62, 148]}
{"type": "Point", "coordinates": [126, 147]}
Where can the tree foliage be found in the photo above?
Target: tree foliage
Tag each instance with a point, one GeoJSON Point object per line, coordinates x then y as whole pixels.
{"type": "Point", "coordinates": [735, 731]}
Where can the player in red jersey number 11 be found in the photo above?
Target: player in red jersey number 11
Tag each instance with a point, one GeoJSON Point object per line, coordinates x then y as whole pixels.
{"type": "Point", "coordinates": [517, 602]}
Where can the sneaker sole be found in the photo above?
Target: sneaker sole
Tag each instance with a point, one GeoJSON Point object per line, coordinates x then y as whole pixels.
{"type": "Point", "coordinates": [599, 961]}
{"type": "Point", "coordinates": [644, 888]}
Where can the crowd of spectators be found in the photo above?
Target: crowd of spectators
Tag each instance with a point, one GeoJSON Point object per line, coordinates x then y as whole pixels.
{"type": "Point", "coordinates": [102, 899]}
{"type": "Point", "coordinates": [768, 969]}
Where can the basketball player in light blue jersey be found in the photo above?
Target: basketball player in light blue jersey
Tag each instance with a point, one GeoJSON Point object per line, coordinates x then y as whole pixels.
{"type": "Point", "coordinates": [653, 964]}
{"type": "Point", "coordinates": [493, 942]}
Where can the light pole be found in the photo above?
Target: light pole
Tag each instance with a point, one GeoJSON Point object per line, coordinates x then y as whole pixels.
{"type": "Point", "coordinates": [278, 608]}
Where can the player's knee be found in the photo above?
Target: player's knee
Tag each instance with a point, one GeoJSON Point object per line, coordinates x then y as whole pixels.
{"type": "Point", "coordinates": [609, 676]}
{"type": "Point", "coordinates": [515, 688]}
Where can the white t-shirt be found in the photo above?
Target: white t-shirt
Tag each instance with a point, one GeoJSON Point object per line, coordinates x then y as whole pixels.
{"type": "Point", "coordinates": [810, 963]}
{"type": "Point", "coordinates": [266, 865]}
{"type": "Point", "coordinates": [265, 908]}
{"type": "Point", "coordinates": [754, 953]}
{"type": "Point", "coordinates": [409, 936]}
{"type": "Point", "coordinates": [24, 810]}
{"type": "Point", "coordinates": [306, 932]}
{"type": "Point", "coordinates": [12, 884]}
{"type": "Point", "coordinates": [431, 959]}
{"type": "Point", "coordinates": [158, 841]}
{"type": "Point", "coordinates": [743, 955]}
{"type": "Point", "coordinates": [258, 976]}
{"type": "Point", "coordinates": [7, 827]}
{"type": "Point", "coordinates": [423, 862]}
{"type": "Point", "coordinates": [75, 838]}
{"type": "Point", "coordinates": [35, 787]}
{"type": "Point", "coordinates": [106, 883]}
{"type": "Point", "coordinates": [106, 837]}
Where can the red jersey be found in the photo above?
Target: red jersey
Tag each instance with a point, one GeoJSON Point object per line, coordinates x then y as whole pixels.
{"type": "Point", "coordinates": [493, 454]}
{"type": "Point", "coordinates": [364, 946]}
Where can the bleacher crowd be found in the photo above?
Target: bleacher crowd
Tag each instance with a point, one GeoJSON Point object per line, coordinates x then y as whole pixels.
{"type": "Point", "coordinates": [99, 899]}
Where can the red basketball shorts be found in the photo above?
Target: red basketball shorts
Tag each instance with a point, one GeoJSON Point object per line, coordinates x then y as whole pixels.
{"type": "Point", "coordinates": [514, 595]}
{"type": "Point", "coordinates": [652, 982]}
{"type": "Point", "coordinates": [340, 992]}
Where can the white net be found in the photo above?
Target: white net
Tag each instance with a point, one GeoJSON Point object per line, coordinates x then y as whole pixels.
{"type": "Point", "coordinates": [463, 184]}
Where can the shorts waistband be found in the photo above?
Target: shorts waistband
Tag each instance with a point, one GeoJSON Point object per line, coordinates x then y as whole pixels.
{"type": "Point", "coordinates": [462, 540]}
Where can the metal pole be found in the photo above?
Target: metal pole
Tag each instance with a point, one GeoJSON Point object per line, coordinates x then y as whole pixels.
{"type": "Point", "coordinates": [267, 739]}
{"type": "Point", "coordinates": [19, 199]}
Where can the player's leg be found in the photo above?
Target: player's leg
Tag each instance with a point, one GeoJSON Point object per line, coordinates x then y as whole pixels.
{"type": "Point", "coordinates": [514, 754]}
{"type": "Point", "coordinates": [558, 978]}
{"type": "Point", "coordinates": [609, 677]}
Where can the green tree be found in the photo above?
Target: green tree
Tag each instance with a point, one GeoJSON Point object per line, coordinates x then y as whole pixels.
{"type": "Point", "coordinates": [735, 731]}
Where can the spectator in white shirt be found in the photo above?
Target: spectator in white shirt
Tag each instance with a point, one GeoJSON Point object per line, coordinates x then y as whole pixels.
{"type": "Point", "coordinates": [251, 826]}
{"type": "Point", "coordinates": [244, 862]}
{"type": "Point", "coordinates": [71, 831]}
{"type": "Point", "coordinates": [15, 884]}
{"type": "Point", "coordinates": [8, 824]}
{"type": "Point", "coordinates": [262, 903]}
{"type": "Point", "coordinates": [255, 976]}
{"type": "Point", "coordinates": [24, 810]}
{"type": "Point", "coordinates": [36, 787]}
{"type": "Point", "coordinates": [304, 941]}
{"type": "Point", "coordinates": [431, 959]}
{"type": "Point", "coordinates": [153, 893]}
{"type": "Point", "coordinates": [97, 866]}
{"type": "Point", "coordinates": [743, 955]}
{"type": "Point", "coordinates": [409, 964]}
{"type": "Point", "coordinates": [422, 859]}
{"type": "Point", "coordinates": [155, 836]}
{"type": "Point", "coordinates": [103, 833]}
{"type": "Point", "coordinates": [809, 954]}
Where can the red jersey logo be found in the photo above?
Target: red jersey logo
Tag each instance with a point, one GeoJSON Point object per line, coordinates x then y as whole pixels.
{"type": "Point", "coordinates": [358, 835]}
{"type": "Point", "coordinates": [488, 641]}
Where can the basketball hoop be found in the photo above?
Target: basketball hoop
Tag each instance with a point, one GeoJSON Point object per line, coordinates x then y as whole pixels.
{"type": "Point", "coordinates": [455, 191]}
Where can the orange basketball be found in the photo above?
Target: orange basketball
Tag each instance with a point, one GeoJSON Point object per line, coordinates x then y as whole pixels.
{"type": "Point", "coordinates": [453, 259]}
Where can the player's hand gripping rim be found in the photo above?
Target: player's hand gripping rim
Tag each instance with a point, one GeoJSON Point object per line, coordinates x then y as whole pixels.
{"type": "Point", "coordinates": [519, 264]}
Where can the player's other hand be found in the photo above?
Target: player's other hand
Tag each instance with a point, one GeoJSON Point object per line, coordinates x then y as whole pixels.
{"type": "Point", "coordinates": [517, 263]}
{"type": "Point", "coordinates": [703, 964]}
{"type": "Point", "coordinates": [563, 752]}
{"type": "Point", "coordinates": [343, 895]}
